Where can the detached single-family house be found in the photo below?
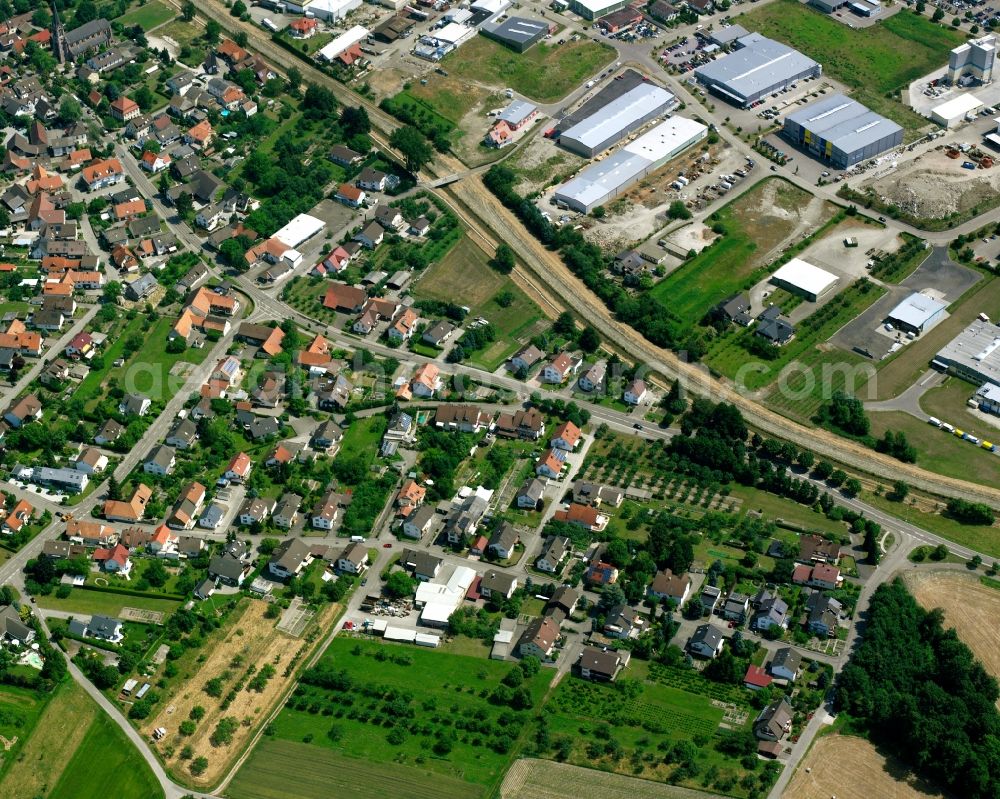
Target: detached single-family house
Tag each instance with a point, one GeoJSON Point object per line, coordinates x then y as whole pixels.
{"type": "Point", "coordinates": [673, 587]}
{"type": "Point", "coordinates": [503, 541]}
{"type": "Point", "coordinates": [636, 392]}
{"type": "Point", "coordinates": [565, 437]}
{"type": "Point", "coordinates": [539, 639]}
{"type": "Point", "coordinates": [554, 551]}
{"type": "Point", "coordinates": [602, 665]}
{"type": "Point", "coordinates": [785, 664]}
{"type": "Point", "coordinates": [497, 585]}
{"type": "Point", "coordinates": [560, 368]}
{"type": "Point", "coordinates": [774, 721]}
{"type": "Point", "coordinates": [707, 641]}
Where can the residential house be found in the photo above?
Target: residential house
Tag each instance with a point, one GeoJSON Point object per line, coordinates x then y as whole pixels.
{"type": "Point", "coordinates": [154, 162]}
{"type": "Point", "coordinates": [12, 629]}
{"type": "Point", "coordinates": [438, 334]}
{"type": "Point", "coordinates": [675, 588]}
{"type": "Point", "coordinates": [114, 560]}
{"type": "Point", "coordinates": [564, 599]}
{"type": "Point", "coordinates": [19, 516]}
{"type": "Point", "coordinates": [496, 585]}
{"type": "Point", "coordinates": [554, 551]}
{"type": "Point", "coordinates": [239, 468]}
{"type": "Point", "coordinates": [228, 570]}
{"type": "Point", "coordinates": [524, 424]}
{"type": "Point", "coordinates": [128, 510]}
{"type": "Point", "coordinates": [135, 405]}
{"type": "Point", "coordinates": [462, 418]}
{"type": "Point", "coordinates": [160, 461]}
{"type": "Point", "coordinates": [420, 522]}
{"type": "Point", "coordinates": [255, 510]}
{"type": "Point", "coordinates": [565, 437]}
{"type": "Point", "coordinates": [353, 560]}
{"type": "Point", "coordinates": [822, 614]}
{"type": "Point", "coordinates": [212, 517]}
{"type": "Point", "coordinates": [327, 437]}
{"type": "Point", "coordinates": [370, 236]}
{"type": "Point", "coordinates": [707, 641]}
{"type": "Point", "coordinates": [736, 608]}
{"type": "Point", "coordinates": [185, 510]}
{"type": "Point", "coordinates": [816, 549]}
{"type": "Point", "coordinates": [426, 381]}
{"type": "Point", "coordinates": [410, 497]}
{"type": "Point", "coordinates": [709, 598]}
{"type": "Point", "coordinates": [325, 511]}
{"type": "Point", "coordinates": [423, 564]}
{"type": "Point", "coordinates": [289, 558]}
{"type": "Point", "coordinates": [756, 678]}
{"type": "Point", "coordinates": [560, 368]}
{"type": "Point", "coordinates": [600, 572]}
{"type": "Point", "coordinates": [404, 325]}
{"type": "Point", "coordinates": [104, 628]}
{"type": "Point", "coordinates": [636, 392]}
{"type": "Point", "coordinates": [585, 516]}
{"type": "Point", "coordinates": [286, 512]}
{"type": "Point", "coordinates": [623, 621]}
{"type": "Point", "coordinates": [593, 379]}
{"type": "Point", "coordinates": [343, 298]}
{"type": "Point", "coordinates": [785, 664]}
{"type": "Point", "coordinates": [109, 433]}
{"type": "Point", "coordinates": [528, 357]}
{"type": "Point", "coordinates": [350, 195]}
{"type": "Point", "coordinates": [371, 179]}
{"type": "Point", "coordinates": [602, 665]}
{"type": "Point", "coordinates": [91, 461]}
{"type": "Point", "coordinates": [101, 174]}
{"type": "Point", "coordinates": [550, 464]}
{"type": "Point", "coordinates": [539, 639]}
{"type": "Point", "coordinates": [124, 108]}
{"type": "Point", "coordinates": [587, 493]}
{"type": "Point", "coordinates": [25, 410]}
{"type": "Point", "coordinates": [774, 721]}
{"type": "Point", "coordinates": [771, 612]}
{"type": "Point", "coordinates": [183, 435]}
{"type": "Point", "coordinates": [503, 540]}
{"type": "Point", "coordinates": [530, 493]}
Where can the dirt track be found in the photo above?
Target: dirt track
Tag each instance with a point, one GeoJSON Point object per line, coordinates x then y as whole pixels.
{"type": "Point", "coordinates": [851, 768]}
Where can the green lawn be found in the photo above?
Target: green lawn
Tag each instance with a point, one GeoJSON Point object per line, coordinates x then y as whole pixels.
{"type": "Point", "coordinates": [942, 452]}
{"type": "Point", "coordinates": [824, 372]}
{"type": "Point", "coordinates": [774, 507]}
{"type": "Point", "coordinates": [545, 73]}
{"type": "Point", "coordinates": [440, 694]}
{"type": "Point", "coordinates": [149, 15]}
{"type": "Point", "coordinates": [87, 602]}
{"type": "Point", "coordinates": [184, 33]}
{"type": "Point", "coordinates": [363, 437]}
{"type": "Point", "coordinates": [106, 765]}
{"type": "Point", "coordinates": [729, 265]}
{"type": "Point", "coordinates": [20, 709]}
{"type": "Point", "coordinates": [874, 61]}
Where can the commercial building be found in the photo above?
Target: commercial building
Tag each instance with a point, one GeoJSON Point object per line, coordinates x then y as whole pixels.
{"type": "Point", "coordinates": [439, 600]}
{"type": "Point", "coordinates": [300, 229]}
{"type": "Point", "coordinates": [438, 43]}
{"type": "Point", "coordinates": [332, 49]}
{"type": "Point", "coordinates": [828, 6]}
{"type": "Point", "coordinates": [973, 61]}
{"type": "Point", "coordinates": [954, 112]}
{"type": "Point", "coordinates": [988, 397]}
{"type": "Point", "coordinates": [727, 35]}
{"type": "Point", "coordinates": [517, 33]}
{"type": "Point", "coordinates": [616, 120]}
{"type": "Point", "coordinates": [802, 278]}
{"type": "Point", "coordinates": [973, 355]}
{"type": "Point", "coordinates": [606, 179]}
{"type": "Point", "coordinates": [330, 10]}
{"type": "Point", "coordinates": [757, 67]}
{"type": "Point", "coordinates": [595, 9]}
{"type": "Point", "coordinates": [841, 131]}
{"type": "Point", "coordinates": [917, 313]}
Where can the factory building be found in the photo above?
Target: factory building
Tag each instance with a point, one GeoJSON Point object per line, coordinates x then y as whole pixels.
{"type": "Point", "coordinates": [330, 10]}
{"type": "Point", "coordinates": [595, 9]}
{"type": "Point", "coordinates": [517, 33]}
{"type": "Point", "coordinates": [756, 68]}
{"type": "Point", "coordinates": [972, 61]}
{"type": "Point", "coordinates": [841, 131]}
{"type": "Point", "coordinates": [616, 120]}
{"type": "Point", "coordinates": [604, 180]}
{"type": "Point", "coordinates": [802, 278]}
{"type": "Point", "coordinates": [917, 313]}
{"type": "Point", "coordinates": [954, 112]}
{"type": "Point", "coordinates": [973, 355]}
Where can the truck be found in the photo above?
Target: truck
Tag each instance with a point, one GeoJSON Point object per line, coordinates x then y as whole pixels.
{"type": "Point", "coordinates": [269, 24]}
{"type": "Point", "coordinates": [357, 539]}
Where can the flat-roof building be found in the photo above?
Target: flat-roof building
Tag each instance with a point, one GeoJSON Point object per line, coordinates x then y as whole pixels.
{"type": "Point", "coordinates": [616, 120]}
{"type": "Point", "coordinates": [802, 278]}
{"type": "Point", "coordinates": [973, 355]}
{"type": "Point", "coordinates": [517, 33]}
{"type": "Point", "coordinates": [953, 112]}
{"type": "Point", "coordinates": [841, 131]}
{"type": "Point", "coordinates": [757, 67]}
{"type": "Point", "coordinates": [347, 39]}
{"type": "Point", "coordinates": [603, 180]}
{"type": "Point", "coordinates": [595, 9]}
{"type": "Point", "coordinates": [727, 34]}
{"type": "Point", "coordinates": [917, 313]}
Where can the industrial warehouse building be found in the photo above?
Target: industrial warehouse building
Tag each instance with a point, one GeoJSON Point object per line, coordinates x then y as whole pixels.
{"type": "Point", "coordinates": [802, 278]}
{"type": "Point", "coordinates": [973, 355]}
{"type": "Point", "coordinates": [616, 120]}
{"type": "Point", "coordinates": [841, 131]}
{"type": "Point", "coordinates": [606, 179]}
{"type": "Point", "coordinates": [330, 10]}
{"type": "Point", "coordinates": [517, 33]}
{"type": "Point", "coordinates": [954, 112]}
{"type": "Point", "coordinates": [595, 9]}
{"type": "Point", "coordinates": [757, 67]}
{"type": "Point", "coordinates": [917, 313]}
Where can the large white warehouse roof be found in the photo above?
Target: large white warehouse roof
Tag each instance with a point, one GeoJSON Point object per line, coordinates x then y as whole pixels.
{"type": "Point", "coordinates": [803, 275]}
{"type": "Point", "coordinates": [300, 229]}
{"type": "Point", "coordinates": [333, 49]}
{"type": "Point", "coordinates": [618, 115]}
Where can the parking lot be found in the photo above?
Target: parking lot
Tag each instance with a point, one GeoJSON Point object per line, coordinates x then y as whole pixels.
{"type": "Point", "coordinates": [938, 275]}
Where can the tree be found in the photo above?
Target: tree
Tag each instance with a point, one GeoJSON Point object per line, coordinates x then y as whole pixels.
{"type": "Point", "coordinates": [846, 413]}
{"type": "Point", "coordinates": [354, 121]}
{"type": "Point", "coordinates": [212, 31]}
{"type": "Point", "coordinates": [319, 102]}
{"type": "Point", "coordinates": [938, 15]}
{"type": "Point", "coordinates": [503, 259]}
{"type": "Point", "coordinates": [145, 98]}
{"type": "Point", "coordinates": [678, 210]}
{"type": "Point", "coordinates": [69, 110]}
{"type": "Point", "coordinates": [188, 11]}
{"type": "Point", "coordinates": [294, 79]}
{"type": "Point", "coordinates": [399, 585]}
{"type": "Point", "coordinates": [589, 340]}
{"type": "Point", "coordinates": [185, 205]}
{"type": "Point", "coordinates": [564, 325]}
{"type": "Point", "coordinates": [852, 487]}
{"type": "Point", "coordinates": [238, 9]}
{"type": "Point", "coordinates": [899, 492]}
{"type": "Point", "coordinates": [413, 146]}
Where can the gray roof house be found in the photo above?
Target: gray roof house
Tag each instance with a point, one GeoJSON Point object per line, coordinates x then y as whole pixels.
{"type": "Point", "coordinates": [707, 641]}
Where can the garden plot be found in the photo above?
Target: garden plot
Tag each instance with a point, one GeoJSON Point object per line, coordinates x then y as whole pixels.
{"type": "Point", "coordinates": [542, 779]}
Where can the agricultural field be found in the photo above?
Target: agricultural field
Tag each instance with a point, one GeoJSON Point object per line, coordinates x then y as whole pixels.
{"type": "Point", "coordinates": [464, 276]}
{"type": "Point", "coordinates": [969, 606]}
{"type": "Point", "coordinates": [531, 778]}
{"type": "Point", "coordinates": [876, 61]}
{"type": "Point", "coordinates": [147, 16]}
{"type": "Point", "coordinates": [406, 707]}
{"type": "Point", "coordinates": [630, 733]}
{"type": "Point", "coordinates": [758, 223]}
{"type": "Point", "coordinates": [545, 74]}
{"type": "Point", "coordinates": [20, 710]}
{"type": "Point", "coordinates": [852, 768]}
{"type": "Point", "coordinates": [241, 675]}
{"type": "Point", "coordinates": [321, 773]}
{"type": "Point", "coordinates": [122, 774]}
{"type": "Point", "coordinates": [58, 748]}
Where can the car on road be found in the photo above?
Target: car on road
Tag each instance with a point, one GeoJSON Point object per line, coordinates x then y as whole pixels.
{"type": "Point", "coordinates": [637, 426]}
{"type": "Point", "coordinates": [774, 168]}
{"type": "Point", "coordinates": [387, 546]}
